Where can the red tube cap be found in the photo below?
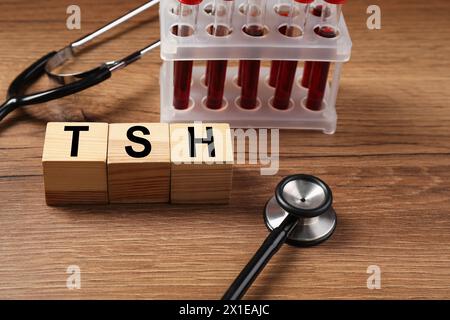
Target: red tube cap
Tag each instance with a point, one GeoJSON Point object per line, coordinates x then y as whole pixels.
{"type": "Point", "coordinates": [190, 2]}
{"type": "Point", "coordinates": [336, 1]}
{"type": "Point", "coordinates": [304, 1]}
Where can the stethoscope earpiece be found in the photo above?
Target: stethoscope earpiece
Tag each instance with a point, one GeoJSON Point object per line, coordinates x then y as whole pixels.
{"type": "Point", "coordinates": [310, 200]}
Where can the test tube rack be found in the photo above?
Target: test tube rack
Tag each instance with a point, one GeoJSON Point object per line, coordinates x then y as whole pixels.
{"type": "Point", "coordinates": [202, 47]}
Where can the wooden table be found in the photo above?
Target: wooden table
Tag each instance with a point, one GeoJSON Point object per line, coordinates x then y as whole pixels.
{"type": "Point", "coordinates": [388, 164]}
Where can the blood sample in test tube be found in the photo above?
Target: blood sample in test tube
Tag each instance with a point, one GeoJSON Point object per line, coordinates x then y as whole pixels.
{"type": "Point", "coordinates": [254, 27]}
{"type": "Point", "coordinates": [316, 10]}
{"type": "Point", "coordinates": [241, 69]}
{"type": "Point", "coordinates": [187, 24]}
{"type": "Point", "coordinates": [208, 67]}
{"type": "Point", "coordinates": [328, 28]}
{"type": "Point", "coordinates": [217, 69]}
{"type": "Point", "coordinates": [298, 15]}
{"type": "Point", "coordinates": [282, 9]}
{"type": "Point", "coordinates": [306, 78]}
{"type": "Point", "coordinates": [274, 69]}
{"type": "Point", "coordinates": [242, 9]}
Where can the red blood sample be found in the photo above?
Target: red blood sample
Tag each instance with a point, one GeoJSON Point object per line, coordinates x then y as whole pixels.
{"type": "Point", "coordinates": [317, 86]}
{"type": "Point", "coordinates": [307, 74]}
{"type": "Point", "coordinates": [216, 74]}
{"type": "Point", "coordinates": [250, 77]}
{"type": "Point", "coordinates": [319, 74]}
{"type": "Point", "coordinates": [326, 32]}
{"type": "Point", "coordinates": [187, 14]}
{"type": "Point", "coordinates": [298, 14]}
{"type": "Point", "coordinates": [241, 68]}
{"type": "Point", "coordinates": [207, 72]}
{"type": "Point", "coordinates": [216, 83]}
{"type": "Point", "coordinates": [274, 68]}
{"type": "Point", "coordinates": [285, 83]}
{"type": "Point", "coordinates": [317, 10]}
{"type": "Point", "coordinates": [182, 84]}
{"type": "Point", "coordinates": [250, 74]}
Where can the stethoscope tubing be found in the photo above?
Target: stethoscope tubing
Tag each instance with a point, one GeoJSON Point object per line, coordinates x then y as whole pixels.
{"type": "Point", "coordinates": [257, 263]}
{"type": "Point", "coordinates": [111, 25]}
{"type": "Point", "coordinates": [15, 100]}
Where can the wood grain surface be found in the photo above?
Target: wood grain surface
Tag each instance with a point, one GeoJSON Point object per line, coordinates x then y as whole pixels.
{"type": "Point", "coordinates": [388, 164]}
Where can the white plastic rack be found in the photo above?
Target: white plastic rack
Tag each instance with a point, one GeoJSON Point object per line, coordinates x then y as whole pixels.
{"type": "Point", "coordinates": [202, 47]}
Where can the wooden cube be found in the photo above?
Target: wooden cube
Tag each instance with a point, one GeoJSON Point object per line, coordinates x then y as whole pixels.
{"type": "Point", "coordinates": [74, 163]}
{"type": "Point", "coordinates": [202, 163]}
{"type": "Point", "coordinates": [139, 163]}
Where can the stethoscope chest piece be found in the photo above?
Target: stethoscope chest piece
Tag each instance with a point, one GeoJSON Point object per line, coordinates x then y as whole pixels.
{"type": "Point", "coordinates": [310, 200]}
{"type": "Point", "coordinates": [300, 213]}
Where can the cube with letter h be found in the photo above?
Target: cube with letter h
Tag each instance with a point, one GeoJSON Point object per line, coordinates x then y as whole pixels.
{"type": "Point", "coordinates": [202, 163]}
{"type": "Point", "coordinates": [74, 162]}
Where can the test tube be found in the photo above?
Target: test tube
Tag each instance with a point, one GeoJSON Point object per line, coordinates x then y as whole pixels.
{"type": "Point", "coordinates": [254, 27]}
{"type": "Point", "coordinates": [282, 8]}
{"type": "Point", "coordinates": [243, 10]}
{"type": "Point", "coordinates": [298, 15]}
{"type": "Point", "coordinates": [187, 23]}
{"type": "Point", "coordinates": [208, 62]}
{"type": "Point", "coordinates": [328, 28]}
{"type": "Point", "coordinates": [217, 69]}
{"type": "Point", "coordinates": [316, 10]}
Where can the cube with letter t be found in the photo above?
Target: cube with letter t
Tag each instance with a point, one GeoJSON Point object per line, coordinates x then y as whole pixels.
{"type": "Point", "coordinates": [202, 163]}
{"type": "Point", "coordinates": [139, 163]}
{"type": "Point", "coordinates": [74, 162]}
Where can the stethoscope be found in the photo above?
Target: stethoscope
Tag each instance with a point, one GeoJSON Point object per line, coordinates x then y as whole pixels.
{"type": "Point", "coordinates": [70, 83]}
{"type": "Point", "coordinates": [301, 214]}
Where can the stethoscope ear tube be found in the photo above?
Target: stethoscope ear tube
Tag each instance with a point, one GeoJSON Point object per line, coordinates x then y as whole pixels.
{"type": "Point", "coordinates": [21, 83]}
{"type": "Point", "coordinates": [101, 74]}
{"type": "Point", "coordinates": [6, 108]}
{"type": "Point", "coordinates": [95, 77]}
{"type": "Point", "coordinates": [24, 80]}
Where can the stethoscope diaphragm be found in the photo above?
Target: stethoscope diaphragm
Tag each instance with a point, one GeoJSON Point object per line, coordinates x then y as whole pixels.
{"type": "Point", "coordinates": [310, 200]}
